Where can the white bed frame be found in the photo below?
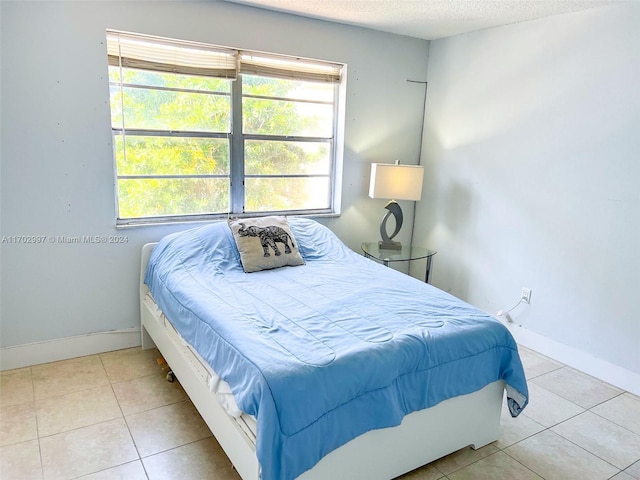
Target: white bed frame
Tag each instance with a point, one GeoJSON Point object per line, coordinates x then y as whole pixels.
{"type": "Point", "coordinates": [383, 454]}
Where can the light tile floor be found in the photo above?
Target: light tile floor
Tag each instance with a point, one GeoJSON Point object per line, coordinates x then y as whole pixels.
{"type": "Point", "coordinates": [114, 416]}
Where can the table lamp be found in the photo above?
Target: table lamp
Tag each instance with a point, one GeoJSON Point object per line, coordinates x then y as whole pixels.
{"type": "Point", "coordinates": [394, 182]}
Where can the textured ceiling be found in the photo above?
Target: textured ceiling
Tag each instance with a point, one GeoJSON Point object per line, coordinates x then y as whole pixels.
{"type": "Point", "coordinates": [427, 19]}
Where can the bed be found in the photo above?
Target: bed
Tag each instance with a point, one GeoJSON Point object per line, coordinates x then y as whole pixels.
{"type": "Point", "coordinates": [337, 368]}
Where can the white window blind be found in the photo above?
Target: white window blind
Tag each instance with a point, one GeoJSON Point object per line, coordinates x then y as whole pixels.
{"type": "Point", "coordinates": [147, 52]}
{"type": "Point", "coordinates": [289, 67]}
{"type": "Point", "coordinates": [173, 56]}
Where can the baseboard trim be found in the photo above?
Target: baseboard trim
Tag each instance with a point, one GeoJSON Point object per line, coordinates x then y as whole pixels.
{"type": "Point", "coordinates": [70, 347]}
{"type": "Point", "coordinates": [578, 359]}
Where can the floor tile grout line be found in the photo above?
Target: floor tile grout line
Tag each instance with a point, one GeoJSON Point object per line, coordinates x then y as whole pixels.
{"type": "Point", "coordinates": [446, 475]}
{"type": "Point", "coordinates": [572, 401]}
{"type": "Point", "coordinates": [525, 438]}
{"type": "Point", "coordinates": [608, 399]}
{"type": "Point", "coordinates": [542, 374]}
{"type": "Point", "coordinates": [84, 388]}
{"type": "Point", "coordinates": [590, 452]}
{"type": "Point", "coordinates": [520, 463]}
{"type": "Point", "coordinates": [561, 421]}
{"type": "Point", "coordinates": [615, 423]}
{"type": "Point", "coordinates": [179, 446]}
{"type": "Point", "coordinates": [140, 458]}
{"type": "Point", "coordinates": [467, 465]}
{"type": "Point", "coordinates": [57, 395]}
{"type": "Point", "coordinates": [184, 400]}
{"type": "Point", "coordinates": [103, 470]}
{"type": "Point", "coordinates": [124, 418]}
{"type": "Point", "coordinates": [583, 374]}
{"type": "Point", "coordinates": [131, 379]}
{"type": "Point", "coordinates": [595, 454]}
{"type": "Point", "coordinates": [79, 427]}
{"type": "Point", "coordinates": [35, 414]}
{"type": "Point", "coordinates": [633, 396]}
{"type": "Point", "coordinates": [522, 440]}
{"type": "Point", "coordinates": [584, 409]}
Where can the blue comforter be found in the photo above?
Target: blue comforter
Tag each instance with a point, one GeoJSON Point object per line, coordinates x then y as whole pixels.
{"type": "Point", "coordinates": [323, 352]}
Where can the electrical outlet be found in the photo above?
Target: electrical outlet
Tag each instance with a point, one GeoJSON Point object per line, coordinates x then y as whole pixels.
{"type": "Point", "coordinates": [526, 295]}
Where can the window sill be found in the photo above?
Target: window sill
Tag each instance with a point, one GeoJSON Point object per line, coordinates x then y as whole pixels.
{"type": "Point", "coordinates": [199, 220]}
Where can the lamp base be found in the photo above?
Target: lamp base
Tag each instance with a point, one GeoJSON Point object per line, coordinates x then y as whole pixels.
{"type": "Point", "coordinates": [387, 242]}
{"type": "Point", "coordinates": [391, 245]}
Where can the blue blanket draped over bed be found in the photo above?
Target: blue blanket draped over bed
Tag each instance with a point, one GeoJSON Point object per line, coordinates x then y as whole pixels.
{"type": "Point", "coordinates": [324, 352]}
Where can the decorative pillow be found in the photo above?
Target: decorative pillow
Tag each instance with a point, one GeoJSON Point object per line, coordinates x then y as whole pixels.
{"type": "Point", "coordinates": [265, 243]}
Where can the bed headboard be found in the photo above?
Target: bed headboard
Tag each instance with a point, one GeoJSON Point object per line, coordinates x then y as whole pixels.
{"type": "Point", "coordinates": [146, 253]}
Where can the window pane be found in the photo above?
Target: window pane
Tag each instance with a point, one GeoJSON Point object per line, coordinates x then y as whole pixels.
{"type": "Point", "coordinates": [171, 155]}
{"type": "Point", "coordinates": [277, 194]}
{"type": "Point", "coordinates": [284, 117]}
{"type": "Point", "coordinates": [297, 108]}
{"type": "Point", "coordinates": [169, 80]}
{"type": "Point", "coordinates": [116, 106]}
{"type": "Point", "coordinates": [114, 74]}
{"type": "Point", "coordinates": [167, 110]}
{"type": "Point", "coordinates": [181, 196]}
{"type": "Point", "coordinates": [268, 157]}
{"type": "Point", "coordinates": [292, 89]}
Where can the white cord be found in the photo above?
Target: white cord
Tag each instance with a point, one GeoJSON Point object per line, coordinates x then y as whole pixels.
{"type": "Point", "coordinates": [502, 313]}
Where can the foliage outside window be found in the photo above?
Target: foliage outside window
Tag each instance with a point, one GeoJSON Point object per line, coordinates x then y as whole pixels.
{"type": "Point", "coordinates": [200, 131]}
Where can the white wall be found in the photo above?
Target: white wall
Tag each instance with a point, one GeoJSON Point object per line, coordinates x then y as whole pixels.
{"type": "Point", "coordinates": [56, 171]}
{"type": "Point", "coordinates": [532, 155]}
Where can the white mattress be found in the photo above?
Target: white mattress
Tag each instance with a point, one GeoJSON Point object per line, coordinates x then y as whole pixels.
{"type": "Point", "coordinates": [217, 386]}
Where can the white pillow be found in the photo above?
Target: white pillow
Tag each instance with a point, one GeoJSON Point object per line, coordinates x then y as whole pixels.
{"type": "Point", "coordinates": [265, 243]}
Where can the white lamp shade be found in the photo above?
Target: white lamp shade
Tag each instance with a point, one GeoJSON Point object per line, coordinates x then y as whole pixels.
{"type": "Point", "coordinates": [396, 182]}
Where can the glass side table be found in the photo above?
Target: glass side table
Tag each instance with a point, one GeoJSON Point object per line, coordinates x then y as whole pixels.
{"type": "Point", "coordinates": [406, 254]}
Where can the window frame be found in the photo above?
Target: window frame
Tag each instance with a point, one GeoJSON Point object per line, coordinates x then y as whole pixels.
{"type": "Point", "coordinates": [237, 141]}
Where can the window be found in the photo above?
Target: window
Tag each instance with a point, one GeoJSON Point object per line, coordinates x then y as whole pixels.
{"type": "Point", "coordinates": [201, 130]}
